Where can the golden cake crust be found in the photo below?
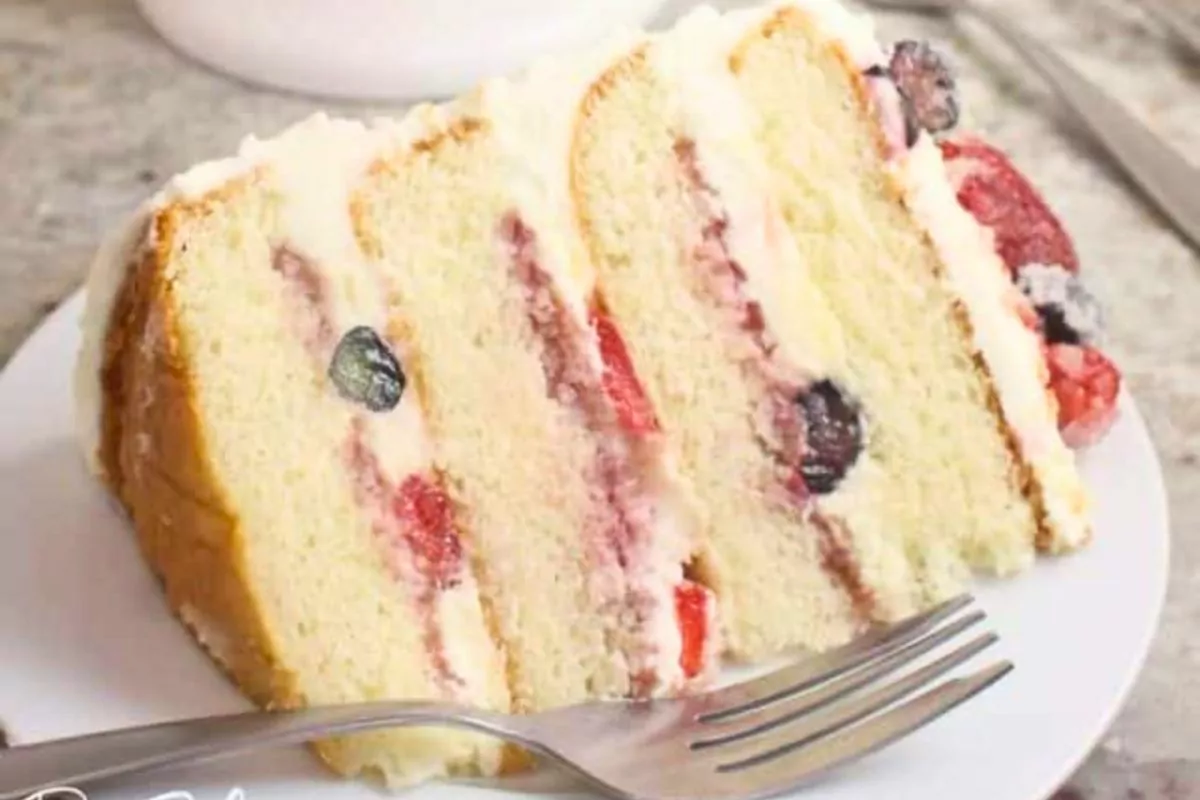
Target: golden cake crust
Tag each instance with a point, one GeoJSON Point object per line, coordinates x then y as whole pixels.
{"type": "Point", "coordinates": [153, 458]}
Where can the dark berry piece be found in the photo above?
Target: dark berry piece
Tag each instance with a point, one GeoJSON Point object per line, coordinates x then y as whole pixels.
{"type": "Point", "coordinates": [1055, 327]}
{"type": "Point", "coordinates": [833, 435]}
{"type": "Point", "coordinates": [925, 80]}
{"type": "Point", "coordinates": [1069, 313]}
{"type": "Point", "coordinates": [365, 371]}
{"type": "Point", "coordinates": [875, 71]}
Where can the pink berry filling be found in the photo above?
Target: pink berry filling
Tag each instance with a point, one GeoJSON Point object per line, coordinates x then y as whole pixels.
{"type": "Point", "coordinates": [608, 401]}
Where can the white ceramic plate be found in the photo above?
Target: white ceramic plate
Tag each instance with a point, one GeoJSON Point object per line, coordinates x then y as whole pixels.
{"type": "Point", "coordinates": [87, 643]}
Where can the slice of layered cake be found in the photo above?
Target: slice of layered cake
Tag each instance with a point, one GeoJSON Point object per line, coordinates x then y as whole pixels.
{"type": "Point", "coordinates": [688, 346]}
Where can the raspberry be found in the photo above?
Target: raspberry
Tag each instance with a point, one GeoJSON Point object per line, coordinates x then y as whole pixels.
{"type": "Point", "coordinates": [1002, 199]}
{"type": "Point", "coordinates": [621, 384]}
{"type": "Point", "coordinates": [428, 517]}
{"type": "Point", "coordinates": [691, 610]}
{"type": "Point", "coordinates": [1086, 384]}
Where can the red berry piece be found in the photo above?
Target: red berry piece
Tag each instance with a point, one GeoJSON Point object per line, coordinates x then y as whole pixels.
{"type": "Point", "coordinates": [620, 381]}
{"type": "Point", "coordinates": [1086, 385]}
{"type": "Point", "coordinates": [691, 610]}
{"type": "Point", "coordinates": [1002, 199]}
{"type": "Point", "coordinates": [427, 516]}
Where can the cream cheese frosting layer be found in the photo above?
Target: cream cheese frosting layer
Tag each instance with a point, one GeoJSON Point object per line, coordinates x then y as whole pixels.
{"type": "Point", "coordinates": [533, 120]}
{"type": "Point", "coordinates": [1009, 349]}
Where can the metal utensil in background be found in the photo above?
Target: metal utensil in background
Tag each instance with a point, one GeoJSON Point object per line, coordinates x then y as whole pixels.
{"type": "Point", "coordinates": [1166, 178]}
{"type": "Point", "coordinates": [1184, 27]}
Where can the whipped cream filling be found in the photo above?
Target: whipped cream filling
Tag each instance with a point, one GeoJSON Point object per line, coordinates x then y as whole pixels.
{"type": "Point", "coordinates": [1009, 349]}
{"type": "Point", "coordinates": [533, 119]}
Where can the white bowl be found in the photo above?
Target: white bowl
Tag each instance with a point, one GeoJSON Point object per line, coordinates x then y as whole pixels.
{"type": "Point", "coordinates": [383, 49]}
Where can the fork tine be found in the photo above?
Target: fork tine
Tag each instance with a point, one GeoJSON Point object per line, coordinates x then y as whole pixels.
{"type": "Point", "coordinates": [795, 678]}
{"type": "Point", "coordinates": [773, 773]}
{"type": "Point", "coordinates": [755, 746]}
{"type": "Point", "coordinates": [764, 719]}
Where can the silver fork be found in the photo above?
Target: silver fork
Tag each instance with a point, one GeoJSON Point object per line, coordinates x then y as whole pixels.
{"type": "Point", "coordinates": [749, 740]}
{"type": "Point", "coordinates": [1168, 179]}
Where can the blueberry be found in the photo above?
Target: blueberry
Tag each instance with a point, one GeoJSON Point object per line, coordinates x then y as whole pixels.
{"type": "Point", "coordinates": [926, 85]}
{"type": "Point", "coordinates": [833, 434]}
{"type": "Point", "coordinates": [1069, 313]}
{"type": "Point", "coordinates": [364, 370]}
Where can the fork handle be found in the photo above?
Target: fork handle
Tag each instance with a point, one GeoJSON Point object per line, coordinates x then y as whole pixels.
{"type": "Point", "coordinates": [26, 770]}
{"type": "Point", "coordinates": [1166, 177]}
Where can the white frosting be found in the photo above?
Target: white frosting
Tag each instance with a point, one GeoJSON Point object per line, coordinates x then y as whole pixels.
{"type": "Point", "coordinates": [107, 274]}
{"type": "Point", "coordinates": [533, 120]}
{"type": "Point", "coordinates": [1009, 349]}
{"type": "Point", "coordinates": [478, 668]}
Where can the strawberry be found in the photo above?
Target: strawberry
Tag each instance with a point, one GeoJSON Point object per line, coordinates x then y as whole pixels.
{"type": "Point", "coordinates": [1003, 200]}
{"type": "Point", "coordinates": [428, 518]}
{"type": "Point", "coordinates": [1086, 384]}
{"type": "Point", "coordinates": [691, 609]}
{"type": "Point", "coordinates": [620, 381]}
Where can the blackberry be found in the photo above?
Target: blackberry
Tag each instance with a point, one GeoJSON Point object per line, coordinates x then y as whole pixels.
{"type": "Point", "coordinates": [365, 371]}
{"type": "Point", "coordinates": [833, 435]}
{"type": "Point", "coordinates": [1069, 313]}
{"type": "Point", "coordinates": [926, 85]}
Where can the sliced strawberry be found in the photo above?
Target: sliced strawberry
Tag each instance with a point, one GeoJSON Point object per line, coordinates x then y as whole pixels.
{"type": "Point", "coordinates": [1003, 200]}
{"type": "Point", "coordinates": [691, 609]}
{"type": "Point", "coordinates": [428, 519]}
{"type": "Point", "coordinates": [620, 381]}
{"type": "Point", "coordinates": [1086, 384]}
